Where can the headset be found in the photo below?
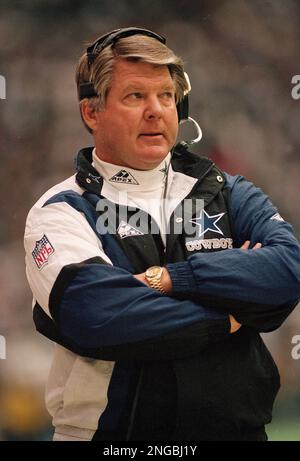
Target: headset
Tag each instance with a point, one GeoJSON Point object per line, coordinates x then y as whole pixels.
{"type": "Point", "coordinates": [87, 90]}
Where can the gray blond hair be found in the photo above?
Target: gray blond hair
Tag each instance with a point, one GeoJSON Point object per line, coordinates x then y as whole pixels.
{"type": "Point", "coordinates": [134, 48]}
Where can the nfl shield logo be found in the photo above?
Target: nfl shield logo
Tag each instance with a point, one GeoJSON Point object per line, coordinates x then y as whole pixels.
{"type": "Point", "coordinates": [42, 250]}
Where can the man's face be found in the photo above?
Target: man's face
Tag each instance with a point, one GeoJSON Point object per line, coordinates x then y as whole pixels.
{"type": "Point", "coordinates": [139, 124]}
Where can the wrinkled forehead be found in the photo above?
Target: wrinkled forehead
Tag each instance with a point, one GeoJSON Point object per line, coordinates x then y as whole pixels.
{"type": "Point", "coordinates": [127, 72]}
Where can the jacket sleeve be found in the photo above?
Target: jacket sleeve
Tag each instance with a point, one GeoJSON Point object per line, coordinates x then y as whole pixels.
{"type": "Point", "coordinates": [100, 310]}
{"type": "Point", "coordinates": [258, 287]}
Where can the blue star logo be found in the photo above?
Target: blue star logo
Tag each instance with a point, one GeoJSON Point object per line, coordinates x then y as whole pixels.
{"type": "Point", "coordinates": [207, 223]}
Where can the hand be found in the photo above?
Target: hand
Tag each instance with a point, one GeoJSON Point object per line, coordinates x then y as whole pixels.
{"type": "Point", "coordinates": [141, 277]}
{"type": "Point", "coordinates": [166, 280]}
{"type": "Point", "coordinates": [167, 284]}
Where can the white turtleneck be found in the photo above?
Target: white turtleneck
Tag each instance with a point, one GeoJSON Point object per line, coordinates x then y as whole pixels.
{"type": "Point", "coordinates": [141, 189]}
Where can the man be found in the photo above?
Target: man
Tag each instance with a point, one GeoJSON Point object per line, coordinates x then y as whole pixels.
{"type": "Point", "coordinates": [144, 290]}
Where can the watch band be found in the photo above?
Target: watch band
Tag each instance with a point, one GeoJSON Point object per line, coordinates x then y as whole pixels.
{"type": "Point", "coordinates": [156, 284]}
{"type": "Point", "coordinates": [153, 276]}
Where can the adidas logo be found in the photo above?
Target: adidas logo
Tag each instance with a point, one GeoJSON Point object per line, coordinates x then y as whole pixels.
{"type": "Point", "coordinates": [124, 177]}
{"type": "Point", "coordinates": [126, 230]}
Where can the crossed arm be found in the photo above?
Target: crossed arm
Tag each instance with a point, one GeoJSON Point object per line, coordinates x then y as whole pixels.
{"type": "Point", "coordinates": [166, 283]}
{"type": "Point", "coordinates": [111, 314]}
{"type": "Point", "coordinates": [258, 288]}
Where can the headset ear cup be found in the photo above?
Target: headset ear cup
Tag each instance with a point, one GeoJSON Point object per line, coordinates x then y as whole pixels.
{"type": "Point", "coordinates": [183, 109]}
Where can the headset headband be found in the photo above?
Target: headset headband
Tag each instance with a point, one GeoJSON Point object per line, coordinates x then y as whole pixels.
{"type": "Point", "coordinates": [112, 37]}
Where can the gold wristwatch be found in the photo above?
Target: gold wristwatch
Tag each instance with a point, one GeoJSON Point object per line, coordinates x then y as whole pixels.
{"type": "Point", "coordinates": [153, 275]}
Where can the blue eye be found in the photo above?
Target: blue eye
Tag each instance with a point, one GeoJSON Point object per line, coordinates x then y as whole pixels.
{"type": "Point", "coordinates": [135, 95]}
{"type": "Point", "coordinates": [168, 95]}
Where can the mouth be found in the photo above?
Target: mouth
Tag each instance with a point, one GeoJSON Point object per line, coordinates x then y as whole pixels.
{"type": "Point", "coordinates": [151, 135]}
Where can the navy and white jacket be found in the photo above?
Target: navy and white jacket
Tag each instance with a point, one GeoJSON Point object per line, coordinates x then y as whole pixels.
{"type": "Point", "coordinates": [131, 363]}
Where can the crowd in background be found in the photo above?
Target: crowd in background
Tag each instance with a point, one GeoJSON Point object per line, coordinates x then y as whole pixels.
{"type": "Point", "coordinates": [240, 55]}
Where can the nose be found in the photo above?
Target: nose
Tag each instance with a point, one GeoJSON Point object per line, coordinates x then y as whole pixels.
{"type": "Point", "coordinates": [153, 108]}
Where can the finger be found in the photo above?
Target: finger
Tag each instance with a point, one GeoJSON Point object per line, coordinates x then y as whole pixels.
{"type": "Point", "coordinates": [234, 324]}
{"type": "Point", "coordinates": [245, 245]}
{"type": "Point", "coordinates": [257, 246]}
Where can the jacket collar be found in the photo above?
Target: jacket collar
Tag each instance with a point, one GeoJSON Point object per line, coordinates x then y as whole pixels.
{"type": "Point", "coordinates": [87, 176]}
{"type": "Point", "coordinates": [210, 180]}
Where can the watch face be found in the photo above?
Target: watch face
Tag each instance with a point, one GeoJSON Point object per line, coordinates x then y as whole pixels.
{"type": "Point", "coordinates": [153, 271]}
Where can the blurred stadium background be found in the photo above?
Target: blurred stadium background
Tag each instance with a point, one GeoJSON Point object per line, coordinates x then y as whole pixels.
{"type": "Point", "coordinates": [241, 56]}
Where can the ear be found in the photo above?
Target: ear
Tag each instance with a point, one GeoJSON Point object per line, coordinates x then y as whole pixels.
{"type": "Point", "coordinates": [89, 114]}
